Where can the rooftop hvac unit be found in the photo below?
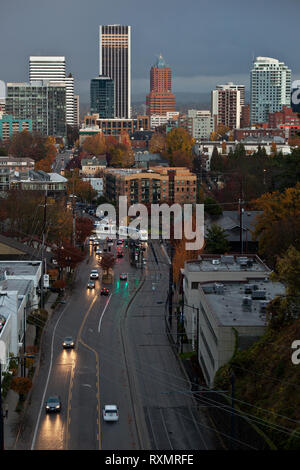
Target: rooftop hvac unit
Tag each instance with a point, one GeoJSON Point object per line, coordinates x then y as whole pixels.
{"type": "Point", "coordinates": [227, 259]}
{"type": "Point", "coordinates": [247, 302]}
{"type": "Point", "coordinates": [259, 295]}
{"type": "Point", "coordinates": [263, 306]}
{"type": "Point", "coordinates": [219, 288]}
{"type": "Point", "coordinates": [243, 265]}
{"type": "Point", "coordinates": [215, 261]}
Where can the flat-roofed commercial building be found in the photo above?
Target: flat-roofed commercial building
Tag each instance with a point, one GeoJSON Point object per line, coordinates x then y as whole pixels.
{"type": "Point", "coordinates": [160, 184]}
{"type": "Point", "coordinates": [115, 127]}
{"type": "Point", "coordinates": [224, 305]}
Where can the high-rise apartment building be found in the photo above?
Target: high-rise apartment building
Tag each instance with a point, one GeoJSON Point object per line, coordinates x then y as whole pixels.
{"type": "Point", "coordinates": [103, 97]}
{"type": "Point", "coordinates": [54, 69]}
{"type": "Point", "coordinates": [76, 111]}
{"type": "Point", "coordinates": [226, 105]}
{"type": "Point", "coordinates": [115, 63]}
{"type": "Point", "coordinates": [270, 88]}
{"type": "Point", "coordinates": [160, 100]}
{"type": "Point", "coordinates": [43, 102]}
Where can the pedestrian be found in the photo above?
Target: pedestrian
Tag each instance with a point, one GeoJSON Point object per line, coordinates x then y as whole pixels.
{"type": "Point", "coordinates": [6, 410]}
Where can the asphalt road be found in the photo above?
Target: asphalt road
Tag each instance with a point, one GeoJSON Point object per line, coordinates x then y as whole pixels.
{"type": "Point", "coordinates": [122, 356]}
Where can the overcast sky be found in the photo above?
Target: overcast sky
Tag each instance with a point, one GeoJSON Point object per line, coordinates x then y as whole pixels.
{"type": "Point", "coordinates": [205, 42]}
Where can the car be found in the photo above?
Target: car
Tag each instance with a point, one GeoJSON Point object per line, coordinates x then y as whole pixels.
{"type": "Point", "coordinates": [120, 242]}
{"type": "Point", "coordinates": [120, 254]}
{"type": "Point", "coordinates": [92, 237]}
{"type": "Point", "coordinates": [90, 285]}
{"type": "Point", "coordinates": [94, 274]}
{"type": "Point", "coordinates": [104, 291]}
{"type": "Point", "coordinates": [96, 242]}
{"type": "Point", "coordinates": [53, 404]}
{"type": "Point", "coordinates": [68, 343]}
{"type": "Point", "coordinates": [110, 413]}
{"type": "Point", "coordinates": [98, 251]}
{"type": "Point", "coordinates": [123, 276]}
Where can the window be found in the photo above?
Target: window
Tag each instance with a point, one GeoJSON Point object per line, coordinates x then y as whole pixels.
{"type": "Point", "coordinates": [195, 285]}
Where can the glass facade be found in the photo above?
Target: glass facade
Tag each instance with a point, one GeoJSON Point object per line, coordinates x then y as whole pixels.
{"type": "Point", "coordinates": [103, 97]}
{"type": "Point", "coordinates": [44, 105]}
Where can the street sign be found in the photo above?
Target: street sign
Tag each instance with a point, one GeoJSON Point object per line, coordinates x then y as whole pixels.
{"type": "Point", "coordinates": [46, 280]}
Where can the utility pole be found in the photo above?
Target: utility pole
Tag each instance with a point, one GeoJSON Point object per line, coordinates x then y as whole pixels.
{"type": "Point", "coordinates": [232, 380]}
{"type": "Point", "coordinates": [171, 284]}
{"type": "Point", "coordinates": [73, 214]}
{"type": "Point", "coordinates": [43, 250]}
{"type": "Point", "coordinates": [241, 212]}
{"type": "Point", "coordinates": [1, 412]}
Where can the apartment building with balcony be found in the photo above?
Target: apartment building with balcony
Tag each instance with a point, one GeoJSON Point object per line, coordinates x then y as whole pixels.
{"type": "Point", "coordinates": [156, 185]}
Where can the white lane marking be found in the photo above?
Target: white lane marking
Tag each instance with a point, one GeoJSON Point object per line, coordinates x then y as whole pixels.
{"type": "Point", "coordinates": [47, 381]}
{"type": "Point", "coordinates": [100, 321]}
{"type": "Point", "coordinates": [87, 385]}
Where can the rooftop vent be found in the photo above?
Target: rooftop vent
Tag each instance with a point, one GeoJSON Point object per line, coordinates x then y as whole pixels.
{"type": "Point", "coordinates": [247, 302]}
{"type": "Point", "coordinates": [215, 261]}
{"type": "Point", "coordinates": [219, 288]}
{"type": "Point", "coordinates": [259, 295]}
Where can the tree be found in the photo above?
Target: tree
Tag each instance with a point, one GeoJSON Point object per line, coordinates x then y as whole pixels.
{"type": "Point", "coordinates": [68, 255]}
{"type": "Point", "coordinates": [216, 161]}
{"type": "Point", "coordinates": [178, 139]}
{"type": "Point", "coordinates": [216, 240]}
{"type": "Point", "coordinates": [25, 144]}
{"type": "Point", "coordinates": [72, 135]}
{"type": "Point", "coordinates": [222, 130]}
{"type": "Point", "coordinates": [283, 310]}
{"type": "Point", "coordinates": [158, 143]}
{"type": "Point", "coordinates": [181, 158]}
{"type": "Point", "coordinates": [280, 215]}
{"type": "Point", "coordinates": [84, 228]}
{"type": "Point", "coordinates": [95, 145]}
{"type": "Point", "coordinates": [21, 385]}
{"type": "Point", "coordinates": [107, 262]}
{"type": "Point", "coordinates": [212, 207]}
{"type": "Point", "coordinates": [121, 156]}
{"type": "Point", "coordinates": [287, 271]}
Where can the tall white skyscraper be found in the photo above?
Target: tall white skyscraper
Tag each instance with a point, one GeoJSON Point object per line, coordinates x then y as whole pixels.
{"type": "Point", "coordinates": [115, 63]}
{"type": "Point", "coordinates": [54, 69]}
{"type": "Point", "coordinates": [270, 88]}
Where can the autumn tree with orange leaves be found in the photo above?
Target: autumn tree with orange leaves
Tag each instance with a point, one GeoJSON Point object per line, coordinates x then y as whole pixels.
{"type": "Point", "coordinates": [278, 226]}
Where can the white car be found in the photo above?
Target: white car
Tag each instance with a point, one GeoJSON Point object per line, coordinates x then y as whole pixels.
{"type": "Point", "coordinates": [98, 251]}
{"type": "Point", "coordinates": [110, 413]}
{"type": "Point", "coordinates": [94, 274]}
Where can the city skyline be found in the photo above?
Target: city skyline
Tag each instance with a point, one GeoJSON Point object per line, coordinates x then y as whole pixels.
{"type": "Point", "coordinates": [219, 51]}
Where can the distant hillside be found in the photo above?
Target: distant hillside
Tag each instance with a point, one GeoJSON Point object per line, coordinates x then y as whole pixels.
{"type": "Point", "coordinates": [267, 379]}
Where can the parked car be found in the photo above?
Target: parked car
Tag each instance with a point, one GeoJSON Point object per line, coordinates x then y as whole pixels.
{"type": "Point", "coordinates": [53, 404]}
{"type": "Point", "coordinates": [110, 413]}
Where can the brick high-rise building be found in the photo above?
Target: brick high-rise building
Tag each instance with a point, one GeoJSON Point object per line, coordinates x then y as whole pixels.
{"type": "Point", "coordinates": [160, 100]}
{"type": "Point", "coordinates": [226, 102]}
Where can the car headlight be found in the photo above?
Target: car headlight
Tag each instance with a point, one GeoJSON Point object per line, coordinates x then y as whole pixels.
{"type": "Point", "coordinates": [58, 406]}
{"type": "Point", "coordinates": [47, 407]}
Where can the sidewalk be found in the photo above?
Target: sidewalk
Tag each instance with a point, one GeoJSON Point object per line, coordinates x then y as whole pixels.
{"type": "Point", "coordinates": [13, 421]}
